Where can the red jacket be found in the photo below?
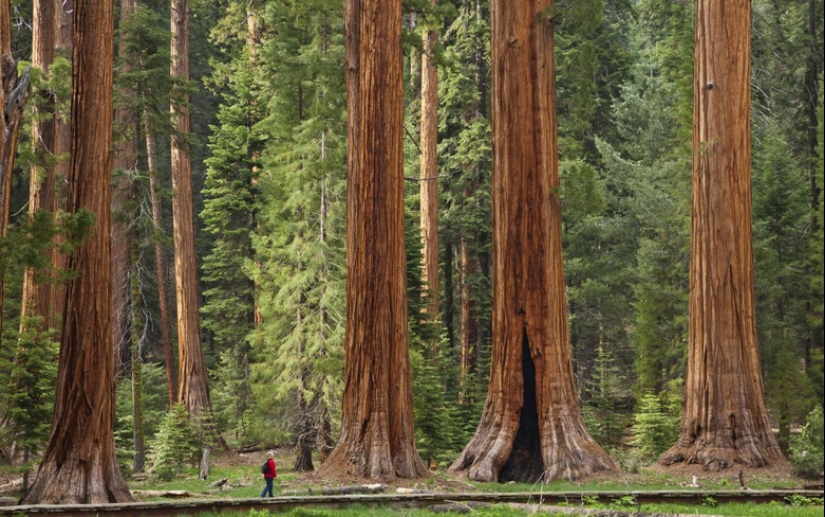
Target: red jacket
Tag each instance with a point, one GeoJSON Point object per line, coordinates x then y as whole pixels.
{"type": "Point", "coordinates": [271, 473]}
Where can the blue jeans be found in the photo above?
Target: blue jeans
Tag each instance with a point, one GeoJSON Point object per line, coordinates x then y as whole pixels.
{"type": "Point", "coordinates": [267, 488]}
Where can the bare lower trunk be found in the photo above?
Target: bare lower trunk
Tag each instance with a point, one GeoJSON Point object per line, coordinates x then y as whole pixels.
{"type": "Point", "coordinates": [376, 439]}
{"type": "Point", "coordinates": [531, 427]}
{"type": "Point", "coordinates": [725, 420]}
{"type": "Point", "coordinates": [79, 465]}
{"type": "Point", "coordinates": [429, 174]}
{"type": "Point", "coordinates": [159, 263]}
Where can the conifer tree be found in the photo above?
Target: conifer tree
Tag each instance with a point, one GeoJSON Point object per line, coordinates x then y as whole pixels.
{"type": "Point", "coordinates": [302, 231]}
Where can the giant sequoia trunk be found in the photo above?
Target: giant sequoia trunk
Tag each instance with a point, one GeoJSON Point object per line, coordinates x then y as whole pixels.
{"type": "Point", "coordinates": [79, 464]}
{"type": "Point", "coordinates": [725, 420]}
{"type": "Point", "coordinates": [376, 439]}
{"type": "Point", "coordinates": [193, 387]}
{"type": "Point", "coordinates": [531, 427]}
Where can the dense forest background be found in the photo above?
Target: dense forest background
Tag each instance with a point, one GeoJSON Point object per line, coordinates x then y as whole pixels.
{"type": "Point", "coordinates": [268, 147]}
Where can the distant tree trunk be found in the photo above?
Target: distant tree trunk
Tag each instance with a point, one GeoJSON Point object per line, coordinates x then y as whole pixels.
{"type": "Point", "coordinates": [376, 439]}
{"type": "Point", "coordinates": [125, 158]}
{"type": "Point", "coordinates": [159, 261]}
{"type": "Point", "coordinates": [324, 442]}
{"type": "Point", "coordinates": [532, 427]}
{"type": "Point", "coordinates": [468, 319]}
{"type": "Point", "coordinates": [725, 420]}
{"type": "Point", "coordinates": [37, 295]}
{"type": "Point", "coordinates": [135, 332]}
{"type": "Point", "coordinates": [14, 90]}
{"type": "Point", "coordinates": [193, 386]}
{"type": "Point", "coordinates": [63, 148]}
{"type": "Point", "coordinates": [79, 465]}
{"type": "Point", "coordinates": [429, 173]}
{"type": "Point", "coordinates": [303, 459]}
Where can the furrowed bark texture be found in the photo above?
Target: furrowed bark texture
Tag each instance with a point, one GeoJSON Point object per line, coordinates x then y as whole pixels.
{"type": "Point", "coordinates": [532, 426]}
{"type": "Point", "coordinates": [376, 439]}
{"type": "Point", "coordinates": [79, 464]}
{"type": "Point", "coordinates": [725, 419]}
{"type": "Point", "coordinates": [193, 386]}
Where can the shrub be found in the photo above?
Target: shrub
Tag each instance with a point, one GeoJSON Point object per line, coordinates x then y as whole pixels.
{"type": "Point", "coordinates": [656, 427]}
{"type": "Point", "coordinates": [176, 444]}
{"type": "Point", "coordinates": [807, 449]}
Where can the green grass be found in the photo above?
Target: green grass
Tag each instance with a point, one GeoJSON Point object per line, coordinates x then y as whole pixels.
{"type": "Point", "coordinates": [733, 509]}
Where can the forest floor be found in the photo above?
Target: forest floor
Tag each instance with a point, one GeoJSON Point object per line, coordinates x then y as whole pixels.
{"type": "Point", "coordinates": [654, 476]}
{"type": "Point", "coordinates": [243, 469]}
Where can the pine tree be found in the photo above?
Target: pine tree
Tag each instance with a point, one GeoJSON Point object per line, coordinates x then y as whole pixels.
{"type": "Point", "coordinates": [300, 241]}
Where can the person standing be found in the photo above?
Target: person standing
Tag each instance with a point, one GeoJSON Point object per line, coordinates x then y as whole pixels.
{"type": "Point", "coordinates": [269, 472]}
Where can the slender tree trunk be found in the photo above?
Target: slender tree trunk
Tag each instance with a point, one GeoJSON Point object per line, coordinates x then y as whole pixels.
{"type": "Point", "coordinates": [37, 295]}
{"type": "Point", "coordinates": [136, 328]}
{"type": "Point", "coordinates": [14, 91]}
{"type": "Point", "coordinates": [303, 459]}
{"type": "Point", "coordinates": [725, 420]}
{"type": "Point", "coordinates": [159, 261]}
{"type": "Point", "coordinates": [79, 464]}
{"type": "Point", "coordinates": [429, 173]}
{"type": "Point", "coordinates": [124, 161]}
{"type": "Point", "coordinates": [376, 439]}
{"type": "Point", "coordinates": [193, 386]}
{"type": "Point", "coordinates": [532, 427]}
{"type": "Point", "coordinates": [62, 148]}
{"type": "Point", "coordinates": [468, 322]}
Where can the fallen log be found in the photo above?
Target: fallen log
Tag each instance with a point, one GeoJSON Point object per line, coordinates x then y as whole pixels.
{"type": "Point", "coordinates": [374, 488]}
{"type": "Point", "coordinates": [169, 494]}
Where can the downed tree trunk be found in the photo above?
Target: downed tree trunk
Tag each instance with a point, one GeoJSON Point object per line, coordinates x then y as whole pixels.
{"type": "Point", "coordinates": [341, 490]}
{"type": "Point", "coordinates": [169, 494]}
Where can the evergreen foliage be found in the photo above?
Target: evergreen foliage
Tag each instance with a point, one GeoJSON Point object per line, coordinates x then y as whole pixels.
{"type": "Point", "coordinates": [807, 448]}
{"type": "Point", "coordinates": [176, 444]}
{"type": "Point", "coordinates": [656, 425]}
{"type": "Point", "coordinates": [270, 193]}
{"type": "Point", "coordinates": [28, 390]}
{"type": "Point", "coordinates": [155, 411]}
{"type": "Point", "coordinates": [299, 244]}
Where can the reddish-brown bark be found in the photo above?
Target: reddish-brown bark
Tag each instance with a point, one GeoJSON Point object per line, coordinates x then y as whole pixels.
{"type": "Point", "coordinates": [429, 172]}
{"type": "Point", "coordinates": [79, 464]}
{"type": "Point", "coordinates": [376, 439]}
{"type": "Point", "coordinates": [38, 295]}
{"type": "Point", "coordinates": [725, 419]}
{"type": "Point", "coordinates": [531, 427]}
